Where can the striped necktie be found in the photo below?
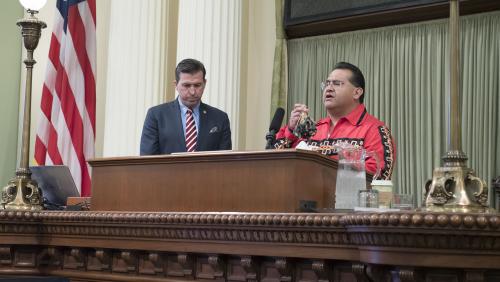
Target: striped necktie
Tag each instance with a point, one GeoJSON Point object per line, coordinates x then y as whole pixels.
{"type": "Point", "coordinates": [191, 135]}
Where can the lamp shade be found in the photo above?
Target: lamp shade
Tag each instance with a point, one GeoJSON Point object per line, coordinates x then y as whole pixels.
{"type": "Point", "coordinates": [34, 5]}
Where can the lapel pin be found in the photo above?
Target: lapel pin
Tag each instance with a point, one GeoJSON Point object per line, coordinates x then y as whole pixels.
{"type": "Point", "coordinates": [204, 112]}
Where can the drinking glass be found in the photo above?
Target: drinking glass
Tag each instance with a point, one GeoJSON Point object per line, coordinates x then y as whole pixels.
{"type": "Point", "coordinates": [402, 201]}
{"type": "Point", "coordinates": [368, 198]}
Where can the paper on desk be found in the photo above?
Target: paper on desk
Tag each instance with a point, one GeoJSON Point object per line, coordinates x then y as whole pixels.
{"type": "Point", "coordinates": [375, 209]}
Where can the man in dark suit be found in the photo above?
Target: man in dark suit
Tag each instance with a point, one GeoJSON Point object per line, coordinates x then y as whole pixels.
{"type": "Point", "coordinates": [186, 124]}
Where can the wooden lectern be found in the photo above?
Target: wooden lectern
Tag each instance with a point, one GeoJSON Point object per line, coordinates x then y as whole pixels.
{"type": "Point", "coordinates": [223, 181]}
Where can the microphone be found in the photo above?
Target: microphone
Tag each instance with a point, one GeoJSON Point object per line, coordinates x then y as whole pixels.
{"type": "Point", "coordinates": [274, 127]}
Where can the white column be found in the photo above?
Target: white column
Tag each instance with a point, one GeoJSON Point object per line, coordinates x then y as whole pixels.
{"type": "Point", "coordinates": [136, 71]}
{"type": "Point", "coordinates": [260, 62]}
{"type": "Point", "coordinates": [210, 31]}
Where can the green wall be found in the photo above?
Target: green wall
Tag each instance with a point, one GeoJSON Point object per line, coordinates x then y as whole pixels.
{"type": "Point", "coordinates": [10, 71]}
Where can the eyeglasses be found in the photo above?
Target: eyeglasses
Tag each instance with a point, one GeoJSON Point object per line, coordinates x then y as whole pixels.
{"type": "Point", "coordinates": [335, 83]}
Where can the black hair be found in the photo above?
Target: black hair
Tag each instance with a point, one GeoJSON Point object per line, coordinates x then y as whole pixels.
{"type": "Point", "coordinates": [190, 66]}
{"type": "Point", "coordinates": [357, 79]}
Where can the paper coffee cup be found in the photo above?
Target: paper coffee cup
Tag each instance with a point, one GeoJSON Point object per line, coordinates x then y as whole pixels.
{"type": "Point", "coordinates": [384, 188]}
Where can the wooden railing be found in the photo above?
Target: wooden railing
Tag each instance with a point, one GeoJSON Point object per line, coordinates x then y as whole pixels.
{"type": "Point", "coordinates": [135, 246]}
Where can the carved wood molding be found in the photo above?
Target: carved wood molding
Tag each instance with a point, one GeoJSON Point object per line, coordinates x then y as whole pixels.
{"type": "Point", "coordinates": [50, 256]}
{"type": "Point", "coordinates": [479, 232]}
{"type": "Point", "coordinates": [180, 265]}
{"type": "Point", "coordinates": [321, 269]}
{"type": "Point", "coordinates": [249, 264]}
{"type": "Point", "coordinates": [82, 264]}
{"type": "Point", "coordinates": [99, 260]}
{"type": "Point", "coordinates": [74, 258]}
{"type": "Point", "coordinates": [408, 275]}
{"type": "Point", "coordinates": [454, 221]}
{"type": "Point", "coordinates": [210, 267]}
{"type": "Point", "coordinates": [5, 255]}
{"type": "Point", "coordinates": [474, 275]}
{"type": "Point", "coordinates": [359, 271]}
{"type": "Point", "coordinates": [284, 269]}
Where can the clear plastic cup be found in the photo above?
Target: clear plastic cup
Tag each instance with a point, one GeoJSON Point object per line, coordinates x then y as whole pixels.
{"type": "Point", "coordinates": [402, 201]}
{"type": "Point", "coordinates": [368, 198]}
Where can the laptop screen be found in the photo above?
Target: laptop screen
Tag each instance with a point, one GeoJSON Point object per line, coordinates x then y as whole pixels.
{"type": "Point", "coordinates": [56, 183]}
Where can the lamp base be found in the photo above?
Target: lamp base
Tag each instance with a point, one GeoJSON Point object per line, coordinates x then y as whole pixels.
{"type": "Point", "coordinates": [455, 188]}
{"type": "Point", "coordinates": [22, 193]}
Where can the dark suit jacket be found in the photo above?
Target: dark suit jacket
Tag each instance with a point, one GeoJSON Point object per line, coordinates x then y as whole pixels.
{"type": "Point", "coordinates": [163, 134]}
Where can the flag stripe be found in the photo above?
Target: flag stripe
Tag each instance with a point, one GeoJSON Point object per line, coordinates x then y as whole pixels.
{"type": "Point", "coordinates": [66, 132]}
{"type": "Point", "coordinates": [91, 4]}
{"type": "Point", "coordinates": [89, 25]}
{"type": "Point", "coordinates": [72, 118]}
{"type": "Point", "coordinates": [64, 142]}
{"type": "Point", "coordinates": [47, 105]}
{"type": "Point", "coordinates": [76, 26]}
{"type": "Point", "coordinates": [53, 153]}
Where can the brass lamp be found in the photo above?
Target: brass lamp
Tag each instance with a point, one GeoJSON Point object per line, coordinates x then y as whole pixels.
{"type": "Point", "coordinates": [454, 187]}
{"type": "Point", "coordinates": [22, 193]}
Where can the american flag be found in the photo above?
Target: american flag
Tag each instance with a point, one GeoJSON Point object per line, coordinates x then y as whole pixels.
{"type": "Point", "coordinates": [66, 130]}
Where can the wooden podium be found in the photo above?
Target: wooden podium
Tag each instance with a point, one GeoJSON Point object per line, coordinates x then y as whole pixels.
{"type": "Point", "coordinates": [223, 181]}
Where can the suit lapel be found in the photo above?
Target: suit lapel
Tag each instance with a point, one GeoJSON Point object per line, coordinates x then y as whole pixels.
{"type": "Point", "coordinates": [177, 124]}
{"type": "Point", "coordinates": [202, 131]}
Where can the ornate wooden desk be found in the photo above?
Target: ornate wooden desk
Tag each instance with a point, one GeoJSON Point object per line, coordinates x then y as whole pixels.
{"type": "Point", "coordinates": [134, 246]}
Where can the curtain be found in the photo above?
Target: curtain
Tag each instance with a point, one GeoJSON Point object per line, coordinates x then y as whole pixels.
{"type": "Point", "coordinates": [136, 72]}
{"type": "Point", "coordinates": [279, 84]}
{"type": "Point", "coordinates": [406, 68]}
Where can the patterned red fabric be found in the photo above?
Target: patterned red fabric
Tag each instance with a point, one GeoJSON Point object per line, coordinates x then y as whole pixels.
{"type": "Point", "coordinates": [358, 128]}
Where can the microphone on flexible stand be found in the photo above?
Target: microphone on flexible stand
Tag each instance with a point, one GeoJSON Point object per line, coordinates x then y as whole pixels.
{"type": "Point", "coordinates": [274, 127]}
